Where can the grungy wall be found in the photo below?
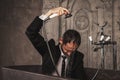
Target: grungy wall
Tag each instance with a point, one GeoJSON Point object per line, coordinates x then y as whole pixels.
{"type": "Point", "coordinates": [88, 18]}
{"type": "Point", "coordinates": [15, 16]}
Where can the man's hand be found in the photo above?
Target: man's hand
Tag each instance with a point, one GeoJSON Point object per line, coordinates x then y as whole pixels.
{"type": "Point", "coordinates": [59, 11]}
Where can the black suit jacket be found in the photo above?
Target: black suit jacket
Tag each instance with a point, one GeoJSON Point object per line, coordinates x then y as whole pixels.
{"type": "Point", "coordinates": [75, 69]}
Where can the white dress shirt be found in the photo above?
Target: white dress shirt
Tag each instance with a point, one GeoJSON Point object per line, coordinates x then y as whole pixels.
{"type": "Point", "coordinates": [59, 65]}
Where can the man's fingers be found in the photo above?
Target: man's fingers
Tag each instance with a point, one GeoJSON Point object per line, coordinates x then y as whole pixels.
{"type": "Point", "coordinates": [66, 11]}
{"type": "Point", "coordinates": [62, 12]}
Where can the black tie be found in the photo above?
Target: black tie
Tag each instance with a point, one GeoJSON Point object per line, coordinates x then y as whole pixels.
{"type": "Point", "coordinates": [63, 67]}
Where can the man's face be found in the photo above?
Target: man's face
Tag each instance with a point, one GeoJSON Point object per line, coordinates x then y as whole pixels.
{"type": "Point", "coordinates": [68, 48]}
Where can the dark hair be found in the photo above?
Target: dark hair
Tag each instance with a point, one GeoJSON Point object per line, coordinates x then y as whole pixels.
{"type": "Point", "coordinates": [71, 35]}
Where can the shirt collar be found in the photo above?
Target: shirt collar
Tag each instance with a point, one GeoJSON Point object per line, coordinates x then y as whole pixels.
{"type": "Point", "coordinates": [62, 54]}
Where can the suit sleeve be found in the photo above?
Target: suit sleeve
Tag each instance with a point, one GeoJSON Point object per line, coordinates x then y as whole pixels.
{"type": "Point", "coordinates": [32, 33]}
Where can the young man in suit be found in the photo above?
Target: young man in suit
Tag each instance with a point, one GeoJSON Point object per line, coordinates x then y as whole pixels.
{"type": "Point", "coordinates": [52, 54]}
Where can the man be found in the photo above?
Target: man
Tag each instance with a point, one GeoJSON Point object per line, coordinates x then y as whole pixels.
{"type": "Point", "coordinates": [52, 54]}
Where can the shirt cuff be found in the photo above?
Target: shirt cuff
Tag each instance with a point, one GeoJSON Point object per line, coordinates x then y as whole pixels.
{"type": "Point", "coordinates": [43, 17]}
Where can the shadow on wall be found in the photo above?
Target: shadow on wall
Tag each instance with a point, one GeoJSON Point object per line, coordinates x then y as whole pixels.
{"type": "Point", "coordinates": [15, 16]}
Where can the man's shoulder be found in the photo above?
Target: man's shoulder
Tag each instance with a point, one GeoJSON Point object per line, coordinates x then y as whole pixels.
{"type": "Point", "coordinates": [79, 54]}
{"type": "Point", "coordinates": [51, 42]}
